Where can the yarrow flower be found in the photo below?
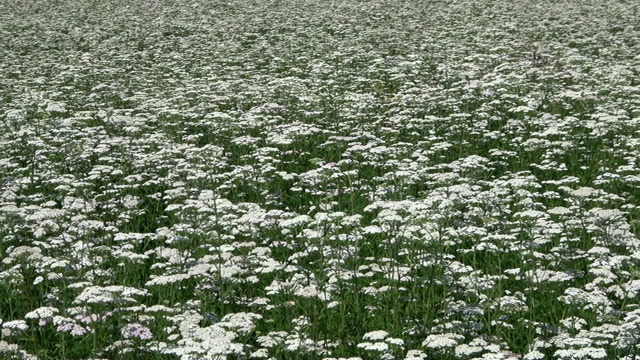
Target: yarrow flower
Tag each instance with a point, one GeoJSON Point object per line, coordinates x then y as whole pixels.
{"type": "Point", "coordinates": [442, 341]}
{"type": "Point", "coordinates": [43, 314]}
{"type": "Point", "coordinates": [13, 351]}
{"type": "Point", "coordinates": [242, 323]}
{"type": "Point", "coordinates": [415, 355]}
{"type": "Point", "coordinates": [375, 335]}
{"type": "Point", "coordinates": [377, 346]}
{"type": "Point", "coordinates": [136, 330]}
{"type": "Point", "coordinates": [20, 325]}
{"type": "Point", "coordinates": [584, 353]}
{"type": "Point", "coordinates": [68, 325]}
{"type": "Point", "coordinates": [534, 355]}
{"type": "Point", "coordinates": [465, 350]}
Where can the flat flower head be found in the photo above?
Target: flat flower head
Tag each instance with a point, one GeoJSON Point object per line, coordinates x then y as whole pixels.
{"type": "Point", "coordinates": [377, 346]}
{"type": "Point", "coordinates": [415, 355]}
{"type": "Point", "coordinates": [375, 335]}
{"type": "Point", "coordinates": [44, 312]}
{"type": "Point", "coordinates": [136, 330]}
{"type": "Point", "coordinates": [442, 341]}
{"type": "Point", "coordinates": [20, 325]}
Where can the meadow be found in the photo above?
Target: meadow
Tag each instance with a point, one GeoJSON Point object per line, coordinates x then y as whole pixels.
{"type": "Point", "coordinates": [330, 180]}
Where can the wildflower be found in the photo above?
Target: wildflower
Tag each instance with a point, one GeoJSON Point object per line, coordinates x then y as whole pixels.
{"type": "Point", "coordinates": [573, 323]}
{"type": "Point", "coordinates": [208, 342]}
{"type": "Point", "coordinates": [167, 279]}
{"type": "Point", "coordinates": [242, 323]}
{"type": "Point", "coordinates": [259, 354]}
{"type": "Point", "coordinates": [13, 351]}
{"type": "Point", "coordinates": [533, 355]}
{"type": "Point", "coordinates": [376, 335]}
{"type": "Point", "coordinates": [583, 353]}
{"type": "Point", "coordinates": [20, 325]}
{"type": "Point", "coordinates": [136, 330]}
{"type": "Point", "coordinates": [465, 350]}
{"type": "Point", "coordinates": [377, 346]}
{"type": "Point", "coordinates": [43, 314]}
{"type": "Point", "coordinates": [442, 341]}
{"type": "Point", "coordinates": [307, 291]}
{"type": "Point", "coordinates": [415, 355]}
{"type": "Point", "coordinates": [108, 294]}
{"type": "Point", "coordinates": [64, 324]}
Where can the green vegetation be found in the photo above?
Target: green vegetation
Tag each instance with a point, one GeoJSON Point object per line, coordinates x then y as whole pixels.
{"type": "Point", "coordinates": [319, 180]}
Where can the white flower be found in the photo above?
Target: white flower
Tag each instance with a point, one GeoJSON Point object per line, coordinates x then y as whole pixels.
{"type": "Point", "coordinates": [136, 330]}
{"type": "Point", "coordinates": [533, 355]}
{"type": "Point", "coordinates": [53, 107]}
{"type": "Point", "coordinates": [208, 342]}
{"type": "Point", "coordinates": [511, 304]}
{"type": "Point", "coordinates": [44, 312]}
{"type": "Point", "coordinates": [64, 324]}
{"type": "Point", "coordinates": [272, 339]}
{"type": "Point", "coordinates": [560, 210]}
{"type": "Point", "coordinates": [242, 323]}
{"type": "Point", "coordinates": [394, 341]}
{"type": "Point", "coordinates": [583, 353]}
{"type": "Point", "coordinates": [573, 323]}
{"type": "Point", "coordinates": [108, 294]}
{"type": "Point", "coordinates": [375, 335]}
{"type": "Point", "coordinates": [415, 355]}
{"type": "Point", "coordinates": [16, 325]}
{"type": "Point", "coordinates": [465, 350]}
{"type": "Point", "coordinates": [377, 346]}
{"type": "Point", "coordinates": [441, 341]}
{"type": "Point", "coordinates": [259, 354]}
{"type": "Point", "coordinates": [372, 229]}
{"type": "Point", "coordinates": [295, 222]}
{"type": "Point", "coordinates": [307, 291]}
{"type": "Point", "coordinates": [167, 279]}
{"type": "Point", "coordinates": [14, 351]}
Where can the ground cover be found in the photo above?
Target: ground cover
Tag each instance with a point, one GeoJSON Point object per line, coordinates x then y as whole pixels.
{"type": "Point", "coordinates": [319, 180]}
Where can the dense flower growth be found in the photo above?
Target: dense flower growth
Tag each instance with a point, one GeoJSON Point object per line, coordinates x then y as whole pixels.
{"type": "Point", "coordinates": [296, 179]}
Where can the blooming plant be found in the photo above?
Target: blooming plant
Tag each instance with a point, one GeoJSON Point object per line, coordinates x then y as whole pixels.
{"type": "Point", "coordinates": [319, 180]}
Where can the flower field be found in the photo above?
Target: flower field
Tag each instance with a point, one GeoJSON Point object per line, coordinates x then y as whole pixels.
{"type": "Point", "coordinates": [330, 180]}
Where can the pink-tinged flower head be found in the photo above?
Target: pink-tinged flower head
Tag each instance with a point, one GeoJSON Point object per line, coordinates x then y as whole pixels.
{"type": "Point", "coordinates": [136, 330]}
